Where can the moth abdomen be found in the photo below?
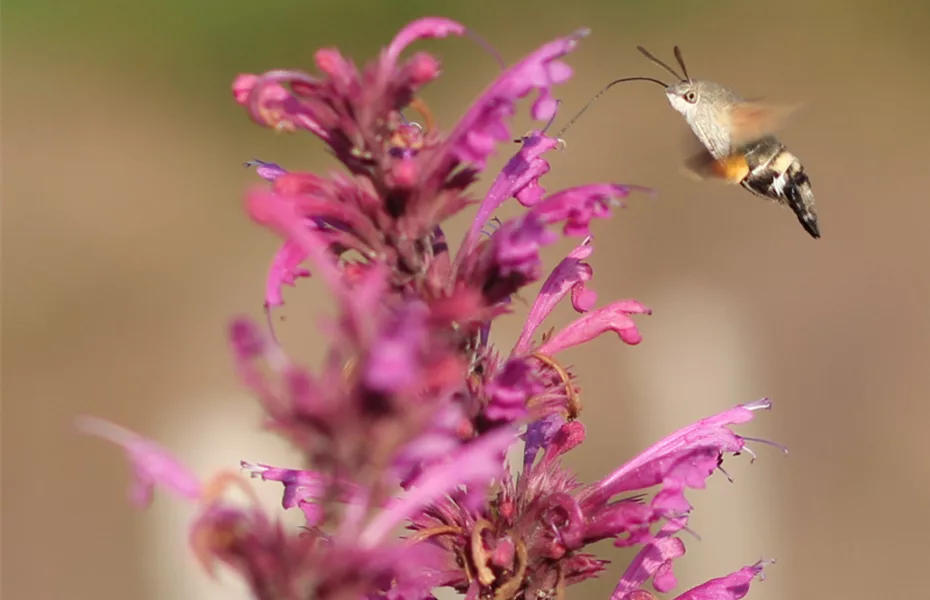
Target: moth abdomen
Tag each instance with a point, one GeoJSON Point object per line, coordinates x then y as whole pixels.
{"type": "Point", "coordinates": [777, 174]}
{"type": "Point", "coordinates": [801, 198]}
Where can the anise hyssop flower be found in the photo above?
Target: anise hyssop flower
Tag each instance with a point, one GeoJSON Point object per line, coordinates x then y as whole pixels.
{"type": "Point", "coordinates": [405, 426]}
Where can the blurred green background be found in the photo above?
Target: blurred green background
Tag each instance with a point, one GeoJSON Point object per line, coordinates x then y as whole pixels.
{"type": "Point", "coordinates": [126, 250]}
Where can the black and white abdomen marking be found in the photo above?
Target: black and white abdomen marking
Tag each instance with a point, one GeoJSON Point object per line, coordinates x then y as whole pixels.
{"type": "Point", "coordinates": [777, 174]}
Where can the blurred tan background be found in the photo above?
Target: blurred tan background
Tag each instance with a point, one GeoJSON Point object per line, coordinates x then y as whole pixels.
{"type": "Point", "coordinates": [125, 251]}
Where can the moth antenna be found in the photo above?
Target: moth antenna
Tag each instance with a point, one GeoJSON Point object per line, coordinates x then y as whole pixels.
{"type": "Point", "coordinates": [653, 58]}
{"type": "Point", "coordinates": [487, 46]}
{"type": "Point", "coordinates": [681, 63]}
{"type": "Point", "coordinates": [598, 95]}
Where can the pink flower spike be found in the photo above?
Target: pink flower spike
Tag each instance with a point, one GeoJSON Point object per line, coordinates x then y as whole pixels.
{"type": "Point", "coordinates": [151, 463]}
{"type": "Point", "coordinates": [476, 463]}
{"type": "Point", "coordinates": [428, 27]}
{"type": "Point", "coordinates": [613, 317]}
{"type": "Point", "coordinates": [732, 587]}
{"type": "Point", "coordinates": [569, 276]}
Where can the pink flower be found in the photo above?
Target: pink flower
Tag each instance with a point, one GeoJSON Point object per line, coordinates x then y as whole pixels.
{"type": "Point", "coordinates": [518, 179]}
{"type": "Point", "coordinates": [569, 276]}
{"type": "Point", "coordinates": [510, 391]}
{"type": "Point", "coordinates": [732, 587]}
{"type": "Point", "coordinates": [614, 317]}
{"type": "Point", "coordinates": [551, 518]}
{"type": "Point", "coordinates": [303, 489]}
{"type": "Point", "coordinates": [407, 419]}
{"type": "Point", "coordinates": [358, 115]}
{"type": "Point", "coordinates": [712, 433]}
{"type": "Point", "coordinates": [509, 259]}
{"type": "Point", "coordinates": [152, 465]}
{"type": "Point", "coordinates": [265, 170]}
{"type": "Point", "coordinates": [476, 464]}
{"type": "Point", "coordinates": [285, 270]}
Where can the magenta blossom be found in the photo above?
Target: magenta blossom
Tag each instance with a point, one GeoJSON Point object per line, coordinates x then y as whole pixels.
{"type": "Point", "coordinates": [152, 464]}
{"type": "Point", "coordinates": [404, 427]}
{"type": "Point", "coordinates": [549, 518]}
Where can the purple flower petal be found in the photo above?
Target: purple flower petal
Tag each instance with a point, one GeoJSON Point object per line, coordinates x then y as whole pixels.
{"type": "Point", "coordinates": [477, 464]}
{"type": "Point", "coordinates": [627, 518]}
{"type": "Point", "coordinates": [650, 466]}
{"type": "Point", "coordinates": [613, 317]}
{"type": "Point", "coordinates": [568, 436]}
{"type": "Point", "coordinates": [509, 260]}
{"type": "Point", "coordinates": [569, 275]}
{"type": "Point", "coordinates": [428, 27]}
{"type": "Point", "coordinates": [655, 558]}
{"type": "Point", "coordinates": [272, 105]}
{"type": "Point", "coordinates": [516, 247]}
{"type": "Point", "coordinates": [484, 126]}
{"type": "Point", "coordinates": [266, 170]}
{"type": "Point", "coordinates": [509, 392]}
{"type": "Point", "coordinates": [732, 587]}
{"type": "Point", "coordinates": [281, 214]}
{"type": "Point", "coordinates": [539, 435]}
{"type": "Point", "coordinates": [393, 363]}
{"type": "Point", "coordinates": [578, 206]}
{"type": "Point", "coordinates": [435, 443]}
{"type": "Point", "coordinates": [522, 170]}
{"type": "Point", "coordinates": [303, 489]}
{"type": "Point", "coordinates": [284, 270]}
{"type": "Point", "coordinates": [342, 73]}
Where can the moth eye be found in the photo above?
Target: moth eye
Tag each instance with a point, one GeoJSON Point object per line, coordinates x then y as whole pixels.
{"type": "Point", "coordinates": [691, 97]}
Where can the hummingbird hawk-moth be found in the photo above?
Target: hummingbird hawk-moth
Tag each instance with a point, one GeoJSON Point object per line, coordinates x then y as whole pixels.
{"type": "Point", "coordinates": [737, 138]}
{"type": "Point", "coordinates": [739, 146]}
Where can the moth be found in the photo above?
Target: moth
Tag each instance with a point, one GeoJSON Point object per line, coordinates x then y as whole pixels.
{"type": "Point", "coordinates": [739, 145]}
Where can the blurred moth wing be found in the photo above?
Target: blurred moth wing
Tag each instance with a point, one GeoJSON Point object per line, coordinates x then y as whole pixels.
{"type": "Point", "coordinates": [702, 166]}
{"type": "Point", "coordinates": [751, 120]}
{"type": "Point", "coordinates": [748, 122]}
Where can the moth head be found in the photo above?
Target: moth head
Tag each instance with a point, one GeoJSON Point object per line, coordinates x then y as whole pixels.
{"type": "Point", "coordinates": [684, 96]}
